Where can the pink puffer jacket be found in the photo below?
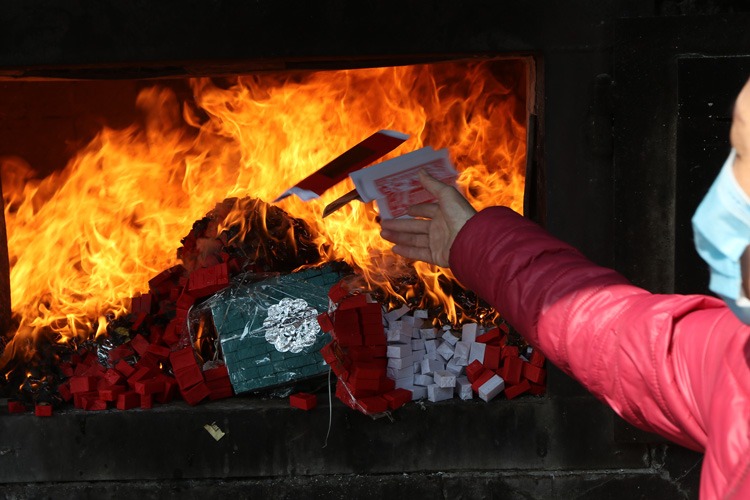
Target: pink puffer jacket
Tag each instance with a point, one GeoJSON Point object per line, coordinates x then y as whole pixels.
{"type": "Point", "coordinates": [676, 365]}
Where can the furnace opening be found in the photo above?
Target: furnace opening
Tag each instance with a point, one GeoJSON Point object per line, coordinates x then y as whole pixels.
{"type": "Point", "coordinates": [86, 238]}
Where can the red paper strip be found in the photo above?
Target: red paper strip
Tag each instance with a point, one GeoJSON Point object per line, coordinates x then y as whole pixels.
{"type": "Point", "coordinates": [377, 145]}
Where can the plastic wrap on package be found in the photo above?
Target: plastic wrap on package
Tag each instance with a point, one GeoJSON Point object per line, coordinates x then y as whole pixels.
{"type": "Point", "coordinates": [268, 330]}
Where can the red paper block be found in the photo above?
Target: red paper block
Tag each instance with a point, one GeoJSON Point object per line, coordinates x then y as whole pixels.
{"type": "Point", "coordinates": [397, 398]}
{"type": "Point", "coordinates": [124, 368]}
{"type": "Point", "coordinates": [509, 351]}
{"type": "Point", "coordinates": [324, 320]}
{"type": "Point", "coordinates": [142, 373]}
{"type": "Point", "coordinates": [216, 373]}
{"type": "Point", "coordinates": [353, 302]}
{"type": "Point", "coordinates": [112, 393]}
{"type": "Point", "coordinates": [386, 384]}
{"type": "Point", "coordinates": [80, 398]}
{"type": "Point", "coordinates": [537, 358]}
{"type": "Point", "coordinates": [113, 377]}
{"type": "Point", "coordinates": [337, 292]}
{"type": "Point", "coordinates": [43, 410]}
{"type": "Point", "coordinates": [139, 343]}
{"type": "Point", "coordinates": [534, 374]}
{"type": "Point", "coordinates": [516, 390]}
{"type": "Point", "coordinates": [16, 407]}
{"type": "Point", "coordinates": [207, 281]}
{"type": "Point", "coordinates": [169, 389]}
{"type": "Point", "coordinates": [146, 387]}
{"type": "Point", "coordinates": [128, 400]}
{"type": "Point", "coordinates": [363, 386]}
{"type": "Point", "coordinates": [157, 334]}
{"type": "Point", "coordinates": [372, 370]}
{"type": "Point", "coordinates": [160, 352]}
{"type": "Point", "coordinates": [64, 391]}
{"type": "Point", "coordinates": [120, 352]}
{"type": "Point", "coordinates": [344, 395]}
{"type": "Point", "coordinates": [188, 377]}
{"type": "Point", "coordinates": [327, 352]}
{"type": "Point", "coordinates": [481, 379]}
{"type": "Point", "coordinates": [374, 404]}
{"type": "Point", "coordinates": [303, 401]}
{"type": "Point", "coordinates": [94, 404]}
{"type": "Point", "coordinates": [139, 319]}
{"type": "Point", "coordinates": [196, 394]}
{"type": "Point", "coordinates": [171, 337]}
{"type": "Point", "coordinates": [489, 336]}
{"type": "Point", "coordinates": [372, 310]}
{"type": "Point", "coordinates": [492, 357]}
{"type": "Point", "coordinates": [83, 384]}
{"type": "Point", "coordinates": [147, 401]}
{"type": "Point", "coordinates": [505, 328]}
{"type": "Point", "coordinates": [474, 370]}
{"type": "Point", "coordinates": [512, 370]}
{"type": "Point", "coordinates": [185, 301]}
{"type": "Point", "coordinates": [183, 358]}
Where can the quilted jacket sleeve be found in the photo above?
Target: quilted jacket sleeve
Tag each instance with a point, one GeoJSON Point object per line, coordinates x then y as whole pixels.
{"type": "Point", "coordinates": [660, 361]}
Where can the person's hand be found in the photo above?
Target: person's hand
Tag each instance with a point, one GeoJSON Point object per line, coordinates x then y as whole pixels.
{"type": "Point", "coordinates": [430, 237]}
{"type": "Point", "coordinates": [739, 135]}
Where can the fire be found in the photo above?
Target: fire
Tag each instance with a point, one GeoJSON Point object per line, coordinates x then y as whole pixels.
{"type": "Point", "coordinates": [86, 239]}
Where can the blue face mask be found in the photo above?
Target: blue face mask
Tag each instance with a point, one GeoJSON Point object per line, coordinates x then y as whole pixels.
{"type": "Point", "coordinates": [721, 228]}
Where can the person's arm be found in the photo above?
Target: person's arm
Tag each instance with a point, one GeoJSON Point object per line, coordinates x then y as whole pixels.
{"type": "Point", "coordinates": [586, 319]}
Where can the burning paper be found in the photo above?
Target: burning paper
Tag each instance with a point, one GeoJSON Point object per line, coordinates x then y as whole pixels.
{"type": "Point", "coordinates": [335, 171]}
{"type": "Point", "coordinates": [394, 184]}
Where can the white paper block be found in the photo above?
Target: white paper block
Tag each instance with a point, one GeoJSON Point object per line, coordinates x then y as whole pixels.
{"type": "Point", "coordinates": [407, 330]}
{"type": "Point", "coordinates": [428, 333]}
{"type": "Point", "coordinates": [491, 388]}
{"type": "Point", "coordinates": [400, 363]}
{"type": "Point", "coordinates": [476, 352]}
{"type": "Point", "coordinates": [399, 337]}
{"type": "Point", "coordinates": [445, 350]}
{"type": "Point", "coordinates": [420, 313]}
{"type": "Point", "coordinates": [398, 351]}
{"type": "Point", "coordinates": [418, 355]}
{"type": "Point", "coordinates": [444, 378]}
{"type": "Point", "coordinates": [429, 366]}
{"type": "Point", "coordinates": [408, 320]}
{"type": "Point", "coordinates": [396, 313]}
{"type": "Point", "coordinates": [433, 356]}
{"type": "Point", "coordinates": [418, 392]}
{"type": "Point", "coordinates": [423, 380]}
{"type": "Point", "coordinates": [394, 326]}
{"type": "Point", "coordinates": [417, 365]}
{"type": "Point", "coordinates": [416, 333]}
{"type": "Point", "coordinates": [449, 337]}
{"type": "Point", "coordinates": [435, 393]}
{"type": "Point", "coordinates": [454, 367]}
{"type": "Point", "coordinates": [418, 345]}
{"type": "Point", "coordinates": [469, 332]}
{"type": "Point", "coordinates": [463, 388]}
{"type": "Point", "coordinates": [430, 345]}
{"type": "Point", "coordinates": [395, 373]}
{"type": "Point", "coordinates": [461, 353]}
{"type": "Point", "coordinates": [405, 383]}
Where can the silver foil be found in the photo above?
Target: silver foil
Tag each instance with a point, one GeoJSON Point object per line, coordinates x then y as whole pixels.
{"type": "Point", "coordinates": [291, 325]}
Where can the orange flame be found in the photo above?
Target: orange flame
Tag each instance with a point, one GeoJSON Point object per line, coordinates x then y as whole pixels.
{"type": "Point", "coordinates": [84, 240]}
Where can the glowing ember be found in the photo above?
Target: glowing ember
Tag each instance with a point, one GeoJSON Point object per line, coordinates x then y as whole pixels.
{"type": "Point", "coordinates": [85, 240]}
